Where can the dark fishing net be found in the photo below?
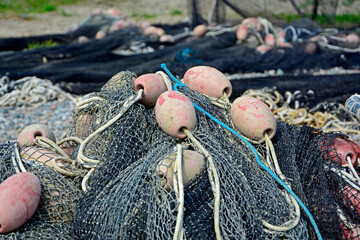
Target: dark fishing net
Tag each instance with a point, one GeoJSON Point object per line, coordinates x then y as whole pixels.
{"type": "Point", "coordinates": [313, 167]}
{"type": "Point", "coordinates": [127, 166]}
{"type": "Point", "coordinates": [122, 142]}
{"type": "Point", "coordinates": [137, 202]}
{"type": "Point", "coordinates": [59, 196]}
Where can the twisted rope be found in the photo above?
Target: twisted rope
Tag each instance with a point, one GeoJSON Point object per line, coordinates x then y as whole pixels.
{"type": "Point", "coordinates": [30, 91]}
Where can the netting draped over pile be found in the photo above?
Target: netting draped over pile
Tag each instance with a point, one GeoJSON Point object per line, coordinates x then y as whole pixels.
{"type": "Point", "coordinates": [134, 189]}
{"type": "Point", "coordinates": [133, 203]}
{"type": "Point", "coordinates": [59, 196]}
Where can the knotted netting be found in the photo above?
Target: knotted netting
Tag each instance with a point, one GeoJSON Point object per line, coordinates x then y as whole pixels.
{"type": "Point", "coordinates": [230, 197]}
{"type": "Point", "coordinates": [59, 196]}
{"type": "Point", "coordinates": [137, 184]}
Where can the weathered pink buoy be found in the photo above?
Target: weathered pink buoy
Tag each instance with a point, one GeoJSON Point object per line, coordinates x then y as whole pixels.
{"type": "Point", "coordinates": [357, 152]}
{"type": "Point", "coordinates": [253, 118]}
{"type": "Point", "coordinates": [83, 39]}
{"type": "Point", "coordinates": [113, 11]}
{"type": "Point", "coordinates": [270, 40]}
{"type": "Point", "coordinates": [280, 37]}
{"type": "Point", "coordinates": [263, 48]}
{"type": "Point", "coordinates": [159, 32]}
{"type": "Point", "coordinates": [242, 32]}
{"type": "Point", "coordinates": [349, 233]}
{"type": "Point", "coordinates": [192, 163]}
{"type": "Point", "coordinates": [351, 197]}
{"type": "Point", "coordinates": [150, 30]}
{"type": "Point", "coordinates": [174, 111]}
{"type": "Point", "coordinates": [19, 198]}
{"type": "Point", "coordinates": [83, 124]}
{"type": "Point", "coordinates": [166, 38]}
{"type": "Point", "coordinates": [252, 23]}
{"type": "Point", "coordinates": [143, 25]}
{"type": "Point", "coordinates": [29, 134]}
{"type": "Point", "coordinates": [200, 30]}
{"type": "Point", "coordinates": [208, 80]}
{"type": "Point", "coordinates": [286, 45]}
{"type": "Point", "coordinates": [39, 154]}
{"type": "Point", "coordinates": [310, 48]}
{"type": "Point", "coordinates": [153, 85]}
{"type": "Point", "coordinates": [352, 38]}
{"type": "Point", "coordinates": [344, 150]}
{"type": "Point", "coordinates": [96, 11]}
{"type": "Point", "coordinates": [100, 34]}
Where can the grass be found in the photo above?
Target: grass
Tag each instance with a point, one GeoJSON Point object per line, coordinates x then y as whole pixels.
{"type": "Point", "coordinates": [324, 20]}
{"type": "Point", "coordinates": [33, 6]}
{"type": "Point", "coordinates": [47, 43]}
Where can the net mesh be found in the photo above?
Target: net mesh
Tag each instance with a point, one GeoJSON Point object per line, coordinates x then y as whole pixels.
{"type": "Point", "coordinates": [135, 204]}
{"type": "Point", "coordinates": [127, 166]}
{"type": "Point", "coordinates": [59, 196]}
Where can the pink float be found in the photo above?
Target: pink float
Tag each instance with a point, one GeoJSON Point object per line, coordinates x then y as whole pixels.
{"type": "Point", "coordinates": [174, 111]}
{"type": "Point", "coordinates": [270, 40]}
{"type": "Point", "coordinates": [19, 198]}
{"type": "Point", "coordinates": [344, 149]}
{"type": "Point", "coordinates": [192, 163]}
{"type": "Point", "coordinates": [200, 30]}
{"type": "Point", "coordinates": [29, 134]}
{"type": "Point", "coordinates": [263, 48]}
{"type": "Point", "coordinates": [39, 154]}
{"type": "Point", "coordinates": [208, 80]}
{"type": "Point", "coordinates": [253, 117]}
{"type": "Point", "coordinates": [153, 85]}
{"type": "Point", "coordinates": [252, 23]}
{"type": "Point", "coordinates": [242, 32]}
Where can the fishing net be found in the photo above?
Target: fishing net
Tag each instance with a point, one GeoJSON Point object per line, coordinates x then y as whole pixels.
{"type": "Point", "coordinates": [59, 196]}
{"type": "Point", "coordinates": [132, 172]}
{"type": "Point", "coordinates": [230, 196]}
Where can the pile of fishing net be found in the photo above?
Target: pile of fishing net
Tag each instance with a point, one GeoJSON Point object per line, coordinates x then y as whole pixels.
{"type": "Point", "coordinates": [102, 45]}
{"type": "Point", "coordinates": [150, 157]}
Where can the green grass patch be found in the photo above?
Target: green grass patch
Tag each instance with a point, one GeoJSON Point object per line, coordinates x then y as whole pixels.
{"type": "Point", "coordinates": [47, 43]}
{"type": "Point", "coordinates": [149, 16]}
{"type": "Point", "coordinates": [175, 12]}
{"type": "Point", "coordinates": [325, 20]}
{"type": "Point", "coordinates": [32, 6]}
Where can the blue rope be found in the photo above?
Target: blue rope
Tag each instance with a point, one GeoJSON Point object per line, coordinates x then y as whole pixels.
{"type": "Point", "coordinates": [273, 175]}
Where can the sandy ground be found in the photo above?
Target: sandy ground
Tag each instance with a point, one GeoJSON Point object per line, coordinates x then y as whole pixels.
{"type": "Point", "coordinates": [154, 11]}
{"type": "Point", "coordinates": [159, 11]}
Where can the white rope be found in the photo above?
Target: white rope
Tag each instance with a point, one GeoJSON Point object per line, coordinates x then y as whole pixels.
{"type": "Point", "coordinates": [31, 91]}
{"type": "Point", "coordinates": [166, 79]}
{"type": "Point", "coordinates": [352, 169]}
{"type": "Point", "coordinates": [179, 189]}
{"type": "Point", "coordinates": [211, 12]}
{"type": "Point", "coordinates": [214, 180]}
{"type": "Point", "coordinates": [85, 180]}
{"type": "Point", "coordinates": [129, 102]}
{"type": "Point", "coordinates": [293, 222]}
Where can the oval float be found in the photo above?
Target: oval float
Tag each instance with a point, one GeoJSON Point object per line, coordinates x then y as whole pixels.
{"type": "Point", "coordinates": [19, 198]}
{"type": "Point", "coordinates": [242, 32]}
{"type": "Point", "coordinates": [253, 117]}
{"type": "Point", "coordinates": [208, 80]}
{"type": "Point", "coordinates": [153, 85]}
{"type": "Point", "coordinates": [29, 134]}
{"type": "Point", "coordinates": [173, 112]}
{"type": "Point", "coordinates": [343, 149]}
{"type": "Point", "coordinates": [192, 163]}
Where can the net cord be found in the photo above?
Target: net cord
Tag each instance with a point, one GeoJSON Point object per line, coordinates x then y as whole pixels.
{"type": "Point", "coordinates": [262, 165]}
{"type": "Point", "coordinates": [179, 189]}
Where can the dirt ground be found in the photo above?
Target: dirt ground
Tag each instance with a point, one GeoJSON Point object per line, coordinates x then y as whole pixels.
{"type": "Point", "coordinates": [154, 11]}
